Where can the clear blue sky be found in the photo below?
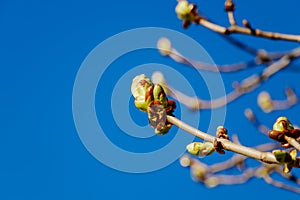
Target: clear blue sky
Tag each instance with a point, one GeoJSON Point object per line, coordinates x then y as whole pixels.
{"type": "Point", "coordinates": [43, 44]}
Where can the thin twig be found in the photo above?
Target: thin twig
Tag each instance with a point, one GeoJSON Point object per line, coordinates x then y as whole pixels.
{"type": "Point", "coordinates": [278, 184]}
{"type": "Point", "coordinates": [246, 31]}
{"type": "Point", "coordinates": [195, 17]}
{"type": "Point", "coordinates": [253, 119]}
{"type": "Point", "coordinates": [229, 8]}
{"type": "Point", "coordinates": [292, 142]}
{"type": "Point", "coordinates": [246, 86]}
{"type": "Point", "coordinates": [206, 174]}
{"type": "Point", "coordinates": [237, 158]}
{"type": "Point", "coordinates": [266, 157]}
{"type": "Point", "coordinates": [261, 57]}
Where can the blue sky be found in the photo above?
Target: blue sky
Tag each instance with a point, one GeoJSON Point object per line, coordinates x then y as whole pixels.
{"type": "Point", "coordinates": [43, 45]}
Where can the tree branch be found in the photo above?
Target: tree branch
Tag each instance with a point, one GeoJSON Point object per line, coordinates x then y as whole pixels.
{"type": "Point", "coordinates": [246, 86]}
{"type": "Point", "coordinates": [228, 145]}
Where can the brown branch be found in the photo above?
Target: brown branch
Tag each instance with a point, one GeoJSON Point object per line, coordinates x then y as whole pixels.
{"type": "Point", "coordinates": [244, 87]}
{"type": "Point", "coordinates": [247, 31]}
{"type": "Point", "coordinates": [189, 14]}
{"type": "Point", "coordinates": [279, 184]}
{"type": "Point", "coordinates": [237, 159]}
{"type": "Point", "coordinates": [228, 145]}
{"type": "Point", "coordinates": [262, 57]}
{"type": "Point", "coordinates": [206, 174]}
{"type": "Point", "coordinates": [253, 119]}
{"type": "Point", "coordinates": [215, 180]}
{"type": "Point", "coordinates": [290, 101]}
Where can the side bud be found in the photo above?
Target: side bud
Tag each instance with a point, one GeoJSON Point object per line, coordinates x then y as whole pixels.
{"type": "Point", "coordinates": [160, 95]}
{"type": "Point", "coordinates": [282, 124]}
{"type": "Point", "coordinates": [142, 89]}
{"type": "Point", "coordinates": [200, 149]}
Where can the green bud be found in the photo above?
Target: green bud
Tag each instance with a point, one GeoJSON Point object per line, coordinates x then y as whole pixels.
{"type": "Point", "coordinates": [160, 95]}
{"type": "Point", "coordinates": [183, 10]}
{"type": "Point", "coordinates": [141, 89]}
{"type": "Point", "coordinates": [139, 85]}
{"type": "Point", "coordinates": [282, 124]}
{"type": "Point", "coordinates": [281, 156]}
{"type": "Point", "coordinates": [143, 102]}
{"type": "Point", "coordinates": [264, 101]}
{"type": "Point", "coordinates": [200, 149]}
{"type": "Point", "coordinates": [288, 159]}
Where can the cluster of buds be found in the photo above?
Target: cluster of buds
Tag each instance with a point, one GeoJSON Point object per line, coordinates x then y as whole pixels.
{"type": "Point", "coordinates": [288, 159]}
{"type": "Point", "coordinates": [281, 128]}
{"type": "Point", "coordinates": [220, 133]}
{"type": "Point", "coordinates": [187, 12]}
{"type": "Point", "coordinates": [152, 99]}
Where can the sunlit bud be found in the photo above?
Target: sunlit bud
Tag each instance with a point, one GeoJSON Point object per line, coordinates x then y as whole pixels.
{"type": "Point", "coordinates": [183, 10]}
{"type": "Point", "coordinates": [142, 89]}
{"type": "Point", "coordinates": [158, 78]}
{"type": "Point", "coordinates": [222, 132]}
{"type": "Point", "coordinates": [288, 159]}
{"type": "Point", "coordinates": [164, 46]}
{"type": "Point", "coordinates": [160, 95]}
{"type": "Point", "coordinates": [185, 161]}
{"type": "Point", "coordinates": [264, 101]}
{"type": "Point", "coordinates": [282, 156]}
{"type": "Point", "coordinates": [139, 85]}
{"type": "Point", "coordinates": [212, 182]}
{"type": "Point", "coordinates": [142, 102]}
{"type": "Point", "coordinates": [282, 124]}
{"type": "Point", "coordinates": [200, 149]}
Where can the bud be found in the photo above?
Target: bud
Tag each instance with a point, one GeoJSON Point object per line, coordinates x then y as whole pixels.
{"type": "Point", "coordinates": [229, 6]}
{"type": "Point", "coordinates": [200, 149]}
{"type": "Point", "coordinates": [185, 161]}
{"type": "Point", "coordinates": [160, 95]}
{"type": "Point", "coordinates": [142, 89]}
{"type": "Point", "coordinates": [212, 182]}
{"type": "Point", "coordinates": [184, 10]}
{"type": "Point", "coordinates": [142, 102]}
{"type": "Point", "coordinates": [288, 159]}
{"type": "Point", "coordinates": [157, 117]}
{"type": "Point", "coordinates": [282, 124]}
{"type": "Point", "coordinates": [164, 46]}
{"type": "Point", "coordinates": [222, 132]}
{"type": "Point", "coordinates": [250, 115]}
{"type": "Point", "coordinates": [264, 101]}
{"type": "Point", "coordinates": [139, 85]}
{"type": "Point", "coordinates": [282, 156]}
